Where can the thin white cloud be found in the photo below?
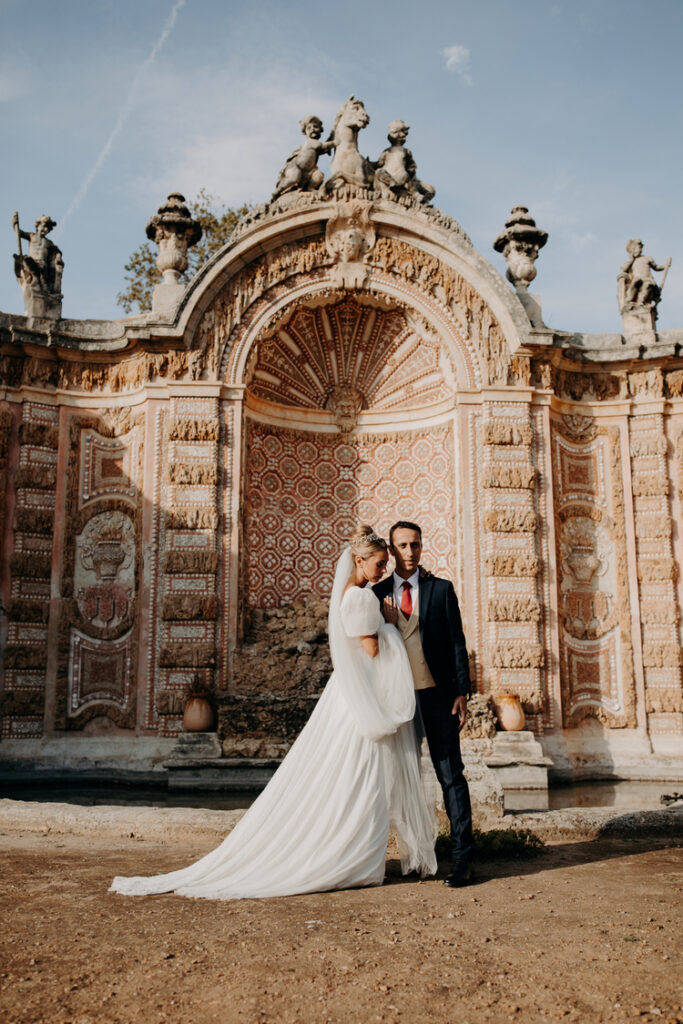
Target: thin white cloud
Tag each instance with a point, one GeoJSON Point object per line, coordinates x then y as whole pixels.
{"type": "Point", "coordinates": [123, 114]}
{"type": "Point", "coordinates": [234, 147]}
{"type": "Point", "coordinates": [457, 58]}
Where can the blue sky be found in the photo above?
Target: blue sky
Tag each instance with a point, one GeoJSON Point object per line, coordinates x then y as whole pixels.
{"type": "Point", "coordinates": [571, 107]}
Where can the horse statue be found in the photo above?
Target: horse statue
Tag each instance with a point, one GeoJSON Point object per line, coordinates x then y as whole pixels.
{"type": "Point", "coordinates": [347, 163]}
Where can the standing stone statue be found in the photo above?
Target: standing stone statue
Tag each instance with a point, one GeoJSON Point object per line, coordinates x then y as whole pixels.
{"type": "Point", "coordinates": [637, 290]}
{"type": "Point", "coordinates": [397, 170]}
{"type": "Point", "coordinates": [301, 169]}
{"type": "Point", "coordinates": [40, 272]}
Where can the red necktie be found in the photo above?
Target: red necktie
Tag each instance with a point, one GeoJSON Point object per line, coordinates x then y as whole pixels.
{"type": "Point", "coordinates": [407, 600]}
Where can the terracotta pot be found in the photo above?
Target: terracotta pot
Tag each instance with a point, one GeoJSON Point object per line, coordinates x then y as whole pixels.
{"type": "Point", "coordinates": [198, 716]}
{"type": "Point", "coordinates": [510, 712]}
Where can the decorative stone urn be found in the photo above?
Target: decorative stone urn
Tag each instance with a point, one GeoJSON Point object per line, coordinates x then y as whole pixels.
{"type": "Point", "coordinates": [510, 712]}
{"type": "Point", "coordinates": [174, 231]}
{"type": "Point", "coordinates": [584, 563]}
{"type": "Point", "coordinates": [199, 715]}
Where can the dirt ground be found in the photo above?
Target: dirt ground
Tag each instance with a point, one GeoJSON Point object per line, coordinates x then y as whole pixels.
{"type": "Point", "coordinates": [589, 931]}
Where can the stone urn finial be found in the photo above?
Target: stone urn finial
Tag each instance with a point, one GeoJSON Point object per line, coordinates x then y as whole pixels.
{"type": "Point", "coordinates": [174, 231]}
{"type": "Point", "coordinates": [520, 244]}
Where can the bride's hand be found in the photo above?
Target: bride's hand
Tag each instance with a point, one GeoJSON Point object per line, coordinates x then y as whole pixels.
{"type": "Point", "coordinates": [390, 611]}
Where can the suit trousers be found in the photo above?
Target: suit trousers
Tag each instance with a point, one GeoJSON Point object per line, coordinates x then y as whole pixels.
{"type": "Point", "coordinates": [434, 720]}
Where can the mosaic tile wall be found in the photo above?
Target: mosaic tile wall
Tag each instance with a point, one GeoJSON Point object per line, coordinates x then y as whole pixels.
{"type": "Point", "coordinates": [305, 493]}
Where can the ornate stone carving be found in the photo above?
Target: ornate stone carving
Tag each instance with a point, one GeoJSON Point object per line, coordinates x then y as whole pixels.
{"type": "Point", "coordinates": [596, 655]}
{"type": "Point", "coordinates": [349, 236]}
{"type": "Point", "coordinates": [601, 386]}
{"type": "Point", "coordinates": [370, 349]}
{"type": "Point", "coordinates": [579, 427]}
{"type": "Point", "coordinates": [104, 576]}
{"type": "Point", "coordinates": [515, 654]}
{"type": "Point", "coordinates": [397, 170]}
{"type": "Point", "coordinates": [646, 382]}
{"type": "Point", "coordinates": [506, 475]}
{"type": "Point", "coordinates": [301, 170]}
{"type": "Point", "coordinates": [674, 383]}
{"type": "Point", "coordinates": [500, 432]}
{"type": "Point", "coordinates": [515, 608]}
{"type": "Point", "coordinates": [637, 291]}
{"type": "Point", "coordinates": [510, 520]}
{"type": "Point", "coordinates": [345, 403]}
{"type": "Point", "coordinates": [585, 551]}
{"type": "Point", "coordinates": [39, 273]}
{"type": "Point", "coordinates": [174, 231]}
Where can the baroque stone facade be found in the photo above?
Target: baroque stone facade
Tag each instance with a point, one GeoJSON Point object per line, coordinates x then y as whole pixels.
{"type": "Point", "coordinates": [176, 489]}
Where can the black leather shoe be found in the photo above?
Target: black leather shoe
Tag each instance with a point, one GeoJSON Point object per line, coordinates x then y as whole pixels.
{"type": "Point", "coordinates": [462, 874]}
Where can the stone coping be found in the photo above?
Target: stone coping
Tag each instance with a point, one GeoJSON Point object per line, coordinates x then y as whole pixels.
{"type": "Point", "coordinates": [164, 823]}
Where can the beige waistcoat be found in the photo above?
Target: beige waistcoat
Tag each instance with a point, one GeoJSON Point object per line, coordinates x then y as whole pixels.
{"type": "Point", "coordinates": [410, 631]}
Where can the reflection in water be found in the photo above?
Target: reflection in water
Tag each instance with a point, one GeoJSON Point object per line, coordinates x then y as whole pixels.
{"type": "Point", "coordinates": [632, 796]}
{"type": "Point", "coordinates": [127, 796]}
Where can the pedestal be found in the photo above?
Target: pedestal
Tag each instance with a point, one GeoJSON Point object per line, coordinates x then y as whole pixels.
{"type": "Point", "coordinates": [638, 325]}
{"type": "Point", "coordinates": [166, 296]}
{"type": "Point", "coordinates": [518, 761]}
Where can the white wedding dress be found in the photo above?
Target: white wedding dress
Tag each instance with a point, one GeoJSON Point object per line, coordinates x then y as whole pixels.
{"type": "Point", "coordinates": [323, 820]}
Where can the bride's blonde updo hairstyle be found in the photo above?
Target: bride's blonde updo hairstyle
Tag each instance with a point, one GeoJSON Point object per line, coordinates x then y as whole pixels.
{"type": "Point", "coordinates": [364, 541]}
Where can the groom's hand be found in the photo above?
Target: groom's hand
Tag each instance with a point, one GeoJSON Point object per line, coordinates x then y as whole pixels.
{"type": "Point", "coordinates": [460, 709]}
{"type": "Point", "coordinates": [390, 611]}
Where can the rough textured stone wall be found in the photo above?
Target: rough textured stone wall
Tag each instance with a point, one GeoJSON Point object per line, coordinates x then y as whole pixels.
{"type": "Point", "coordinates": [279, 670]}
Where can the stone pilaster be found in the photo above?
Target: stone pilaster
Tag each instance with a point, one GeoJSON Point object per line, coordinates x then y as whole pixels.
{"type": "Point", "coordinates": [28, 609]}
{"type": "Point", "coordinates": [657, 573]}
{"type": "Point", "coordinates": [189, 607]}
{"type": "Point", "coordinates": [515, 651]}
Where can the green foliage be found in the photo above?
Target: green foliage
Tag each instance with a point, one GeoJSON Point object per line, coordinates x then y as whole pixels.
{"type": "Point", "coordinates": [217, 221]}
{"type": "Point", "coordinates": [497, 844]}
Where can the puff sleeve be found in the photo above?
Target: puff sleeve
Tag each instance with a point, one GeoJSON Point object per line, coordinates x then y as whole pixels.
{"type": "Point", "coordinates": [360, 612]}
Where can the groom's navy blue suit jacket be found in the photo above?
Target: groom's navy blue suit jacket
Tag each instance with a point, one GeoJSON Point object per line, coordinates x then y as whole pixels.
{"type": "Point", "coordinates": [441, 633]}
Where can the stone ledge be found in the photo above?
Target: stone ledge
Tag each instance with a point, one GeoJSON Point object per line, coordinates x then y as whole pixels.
{"type": "Point", "coordinates": [153, 823]}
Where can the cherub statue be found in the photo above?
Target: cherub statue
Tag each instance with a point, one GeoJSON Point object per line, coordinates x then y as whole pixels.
{"type": "Point", "coordinates": [301, 170]}
{"type": "Point", "coordinates": [396, 168]}
{"type": "Point", "coordinates": [635, 283]}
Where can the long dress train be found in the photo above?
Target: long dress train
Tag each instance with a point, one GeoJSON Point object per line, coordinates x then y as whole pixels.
{"type": "Point", "coordinates": [323, 820]}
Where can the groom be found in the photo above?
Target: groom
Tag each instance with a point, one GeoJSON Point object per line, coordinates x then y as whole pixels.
{"type": "Point", "coordinates": [425, 610]}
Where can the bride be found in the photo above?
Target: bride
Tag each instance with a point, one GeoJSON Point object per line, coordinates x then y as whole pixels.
{"type": "Point", "coordinates": [323, 820]}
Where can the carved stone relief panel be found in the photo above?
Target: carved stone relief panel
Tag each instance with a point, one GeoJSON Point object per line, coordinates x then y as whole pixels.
{"type": "Point", "coordinates": [100, 582]}
{"type": "Point", "coordinates": [104, 571]}
{"type": "Point", "coordinates": [596, 656]}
